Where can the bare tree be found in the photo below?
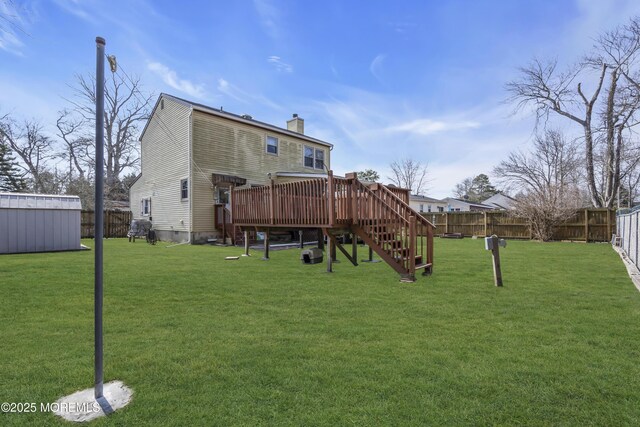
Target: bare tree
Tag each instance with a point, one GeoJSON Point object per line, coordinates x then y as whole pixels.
{"type": "Point", "coordinates": [30, 144]}
{"type": "Point", "coordinates": [72, 132]}
{"type": "Point", "coordinates": [409, 173]}
{"type": "Point", "coordinates": [546, 179]}
{"type": "Point", "coordinates": [126, 108]}
{"type": "Point", "coordinates": [606, 114]}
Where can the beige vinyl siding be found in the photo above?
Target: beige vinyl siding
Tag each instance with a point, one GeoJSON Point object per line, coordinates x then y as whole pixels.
{"type": "Point", "coordinates": [164, 157]}
{"type": "Point", "coordinates": [226, 147]}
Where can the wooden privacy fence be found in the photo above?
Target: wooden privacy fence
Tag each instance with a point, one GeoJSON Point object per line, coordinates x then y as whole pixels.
{"type": "Point", "coordinates": [116, 223]}
{"type": "Point", "coordinates": [590, 225]}
{"type": "Point", "coordinates": [628, 231]}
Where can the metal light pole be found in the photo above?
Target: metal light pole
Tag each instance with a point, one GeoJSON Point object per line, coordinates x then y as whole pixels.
{"type": "Point", "coordinates": [99, 217]}
{"type": "Point", "coordinates": [81, 405]}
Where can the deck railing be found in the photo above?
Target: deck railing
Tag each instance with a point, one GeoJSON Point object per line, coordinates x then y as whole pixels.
{"type": "Point", "coordinates": [382, 213]}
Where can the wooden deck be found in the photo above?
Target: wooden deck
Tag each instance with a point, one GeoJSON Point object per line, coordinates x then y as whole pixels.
{"type": "Point", "coordinates": [377, 214]}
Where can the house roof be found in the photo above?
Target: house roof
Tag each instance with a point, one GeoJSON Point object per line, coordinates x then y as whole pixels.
{"type": "Point", "coordinates": [481, 205]}
{"type": "Point", "coordinates": [235, 117]}
{"type": "Point", "coordinates": [501, 201]}
{"type": "Point", "coordinates": [417, 198]}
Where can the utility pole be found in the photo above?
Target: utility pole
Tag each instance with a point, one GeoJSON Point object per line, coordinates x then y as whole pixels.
{"type": "Point", "coordinates": [99, 218]}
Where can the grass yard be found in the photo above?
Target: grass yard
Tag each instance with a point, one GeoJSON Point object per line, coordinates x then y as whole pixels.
{"type": "Point", "coordinates": [204, 341]}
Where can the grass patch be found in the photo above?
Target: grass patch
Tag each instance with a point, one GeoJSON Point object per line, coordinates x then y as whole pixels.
{"type": "Point", "coordinates": [206, 341]}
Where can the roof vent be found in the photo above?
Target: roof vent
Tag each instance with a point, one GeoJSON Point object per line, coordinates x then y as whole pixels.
{"type": "Point", "coordinates": [246, 116]}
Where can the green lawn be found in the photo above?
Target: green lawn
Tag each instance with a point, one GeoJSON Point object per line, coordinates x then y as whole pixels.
{"type": "Point", "coordinates": [204, 341]}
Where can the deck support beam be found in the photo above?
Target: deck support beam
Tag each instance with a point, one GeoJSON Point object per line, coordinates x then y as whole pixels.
{"type": "Point", "coordinates": [335, 243]}
{"type": "Point", "coordinates": [329, 254]}
{"type": "Point", "coordinates": [266, 245]}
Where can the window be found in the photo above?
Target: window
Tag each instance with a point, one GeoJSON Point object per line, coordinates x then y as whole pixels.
{"type": "Point", "coordinates": [428, 208]}
{"type": "Point", "coordinates": [272, 145]}
{"type": "Point", "coordinates": [421, 207]}
{"type": "Point", "coordinates": [440, 209]}
{"type": "Point", "coordinates": [184, 189]}
{"type": "Point", "coordinates": [313, 158]}
{"type": "Point", "coordinates": [319, 159]}
{"type": "Point", "coordinates": [308, 157]}
{"type": "Point", "coordinates": [145, 207]}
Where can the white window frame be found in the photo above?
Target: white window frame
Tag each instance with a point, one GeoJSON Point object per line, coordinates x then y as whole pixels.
{"type": "Point", "coordinates": [421, 207]}
{"type": "Point", "coordinates": [267, 145]}
{"type": "Point", "coordinates": [314, 157]}
{"type": "Point", "coordinates": [145, 203]}
{"type": "Point", "coordinates": [184, 181]}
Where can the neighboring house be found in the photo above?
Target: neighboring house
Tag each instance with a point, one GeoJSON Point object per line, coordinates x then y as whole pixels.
{"type": "Point", "coordinates": [192, 155]}
{"type": "Point", "coordinates": [501, 202]}
{"type": "Point", "coordinates": [424, 204]}
{"type": "Point", "coordinates": [458, 205]}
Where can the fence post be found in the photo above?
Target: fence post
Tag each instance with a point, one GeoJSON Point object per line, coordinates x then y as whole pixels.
{"type": "Point", "coordinates": [608, 224]}
{"type": "Point", "coordinates": [637, 214]}
{"type": "Point", "coordinates": [586, 225]}
{"type": "Point", "coordinates": [485, 223]}
{"type": "Point", "coordinates": [446, 222]}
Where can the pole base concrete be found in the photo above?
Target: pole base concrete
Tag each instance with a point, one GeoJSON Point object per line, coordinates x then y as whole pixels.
{"type": "Point", "coordinates": [82, 405]}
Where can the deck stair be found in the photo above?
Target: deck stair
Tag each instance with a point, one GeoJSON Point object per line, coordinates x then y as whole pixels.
{"type": "Point", "coordinates": [378, 215]}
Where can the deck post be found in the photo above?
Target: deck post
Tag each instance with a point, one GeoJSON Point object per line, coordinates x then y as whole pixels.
{"type": "Point", "coordinates": [266, 245]}
{"type": "Point", "coordinates": [332, 249]}
{"type": "Point", "coordinates": [329, 254]}
{"type": "Point", "coordinates": [331, 202]}
{"type": "Point", "coordinates": [412, 244]}
{"type": "Point", "coordinates": [354, 246]}
{"type": "Point", "coordinates": [429, 270]}
{"type": "Point", "coordinates": [246, 243]}
{"type": "Point", "coordinates": [271, 203]}
{"type": "Point", "coordinates": [320, 239]}
{"type": "Point", "coordinates": [224, 225]}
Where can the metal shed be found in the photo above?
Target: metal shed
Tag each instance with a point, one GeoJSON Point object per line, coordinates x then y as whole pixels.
{"type": "Point", "coordinates": [39, 223]}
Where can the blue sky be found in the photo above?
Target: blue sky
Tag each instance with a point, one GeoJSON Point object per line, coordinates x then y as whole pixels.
{"type": "Point", "coordinates": [381, 80]}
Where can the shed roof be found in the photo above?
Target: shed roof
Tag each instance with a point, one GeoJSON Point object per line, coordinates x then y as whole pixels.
{"type": "Point", "coordinates": [39, 201]}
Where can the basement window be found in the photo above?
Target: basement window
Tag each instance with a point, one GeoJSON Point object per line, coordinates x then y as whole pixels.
{"type": "Point", "coordinates": [272, 145]}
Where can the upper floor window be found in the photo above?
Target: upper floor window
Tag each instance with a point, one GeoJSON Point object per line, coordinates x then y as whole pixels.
{"type": "Point", "coordinates": [421, 207]}
{"type": "Point", "coordinates": [184, 189]}
{"type": "Point", "coordinates": [272, 145]}
{"type": "Point", "coordinates": [313, 158]}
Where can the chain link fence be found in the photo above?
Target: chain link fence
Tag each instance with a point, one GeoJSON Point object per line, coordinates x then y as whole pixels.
{"type": "Point", "coordinates": [628, 232]}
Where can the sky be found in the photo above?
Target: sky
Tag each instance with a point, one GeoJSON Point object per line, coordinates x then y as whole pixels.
{"type": "Point", "coordinates": [381, 80]}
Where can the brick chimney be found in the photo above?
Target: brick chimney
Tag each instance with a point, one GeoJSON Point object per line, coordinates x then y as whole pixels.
{"type": "Point", "coordinates": [296, 124]}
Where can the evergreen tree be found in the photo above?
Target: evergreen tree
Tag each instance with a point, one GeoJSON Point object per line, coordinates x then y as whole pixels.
{"type": "Point", "coordinates": [11, 179]}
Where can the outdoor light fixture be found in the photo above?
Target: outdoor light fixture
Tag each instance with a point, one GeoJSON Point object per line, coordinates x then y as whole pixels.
{"type": "Point", "coordinates": [112, 63]}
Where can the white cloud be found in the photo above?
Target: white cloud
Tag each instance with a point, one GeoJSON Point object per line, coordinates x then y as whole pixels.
{"type": "Point", "coordinates": [376, 66]}
{"type": "Point", "coordinates": [269, 17]}
{"type": "Point", "coordinates": [429, 127]}
{"type": "Point", "coordinates": [171, 78]}
{"type": "Point", "coordinates": [77, 9]}
{"type": "Point", "coordinates": [14, 22]}
{"type": "Point", "coordinates": [279, 64]}
{"type": "Point", "coordinates": [244, 97]}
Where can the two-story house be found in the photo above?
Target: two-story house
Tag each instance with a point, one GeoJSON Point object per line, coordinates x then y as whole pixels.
{"type": "Point", "coordinates": [192, 155]}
